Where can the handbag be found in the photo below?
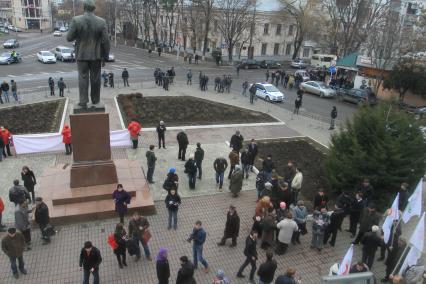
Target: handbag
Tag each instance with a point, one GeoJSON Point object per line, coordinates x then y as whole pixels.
{"type": "Point", "coordinates": [302, 228]}
{"type": "Point", "coordinates": [49, 230]}
{"type": "Point", "coordinates": [132, 247]}
{"type": "Point", "coordinates": [146, 236]}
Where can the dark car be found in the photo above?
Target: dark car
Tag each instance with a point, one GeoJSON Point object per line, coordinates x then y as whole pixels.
{"type": "Point", "coordinates": [357, 96]}
{"type": "Point", "coordinates": [249, 64]}
{"type": "Point", "coordinates": [11, 43]}
{"type": "Point", "coordinates": [271, 64]}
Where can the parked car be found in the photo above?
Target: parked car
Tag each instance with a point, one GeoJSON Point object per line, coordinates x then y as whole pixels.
{"type": "Point", "coordinates": [271, 64]}
{"type": "Point", "coordinates": [6, 58]}
{"type": "Point", "coordinates": [357, 96]}
{"type": "Point", "coordinates": [11, 43]}
{"type": "Point", "coordinates": [63, 53]}
{"type": "Point", "coordinates": [57, 33]}
{"type": "Point", "coordinates": [63, 29]}
{"type": "Point", "coordinates": [46, 57]}
{"type": "Point", "coordinates": [421, 111]}
{"type": "Point", "coordinates": [304, 74]}
{"type": "Point", "coordinates": [317, 88]}
{"type": "Point", "coordinates": [269, 92]}
{"type": "Point", "coordinates": [249, 64]}
{"type": "Point", "coordinates": [111, 58]}
{"type": "Point", "coordinates": [13, 29]}
{"type": "Point", "coordinates": [4, 30]}
{"type": "Point", "coordinates": [299, 63]}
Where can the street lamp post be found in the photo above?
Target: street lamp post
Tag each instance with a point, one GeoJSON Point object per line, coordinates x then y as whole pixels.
{"type": "Point", "coordinates": [250, 50]}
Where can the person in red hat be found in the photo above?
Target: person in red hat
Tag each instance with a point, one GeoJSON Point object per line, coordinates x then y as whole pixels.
{"type": "Point", "coordinates": [134, 129]}
{"type": "Point", "coordinates": [66, 139]}
{"type": "Point", "coordinates": [6, 136]}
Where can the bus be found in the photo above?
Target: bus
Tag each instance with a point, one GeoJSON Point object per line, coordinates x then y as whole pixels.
{"type": "Point", "coordinates": [320, 60]}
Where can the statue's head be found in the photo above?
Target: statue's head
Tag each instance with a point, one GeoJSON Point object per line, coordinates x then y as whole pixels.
{"type": "Point", "coordinates": [89, 5]}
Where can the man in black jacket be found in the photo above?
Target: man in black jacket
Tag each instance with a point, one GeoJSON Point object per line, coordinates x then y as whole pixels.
{"type": "Point", "coordinates": [186, 272]}
{"type": "Point", "coordinates": [252, 149]}
{"type": "Point", "coordinates": [267, 269]}
{"type": "Point", "coordinates": [251, 256]}
{"type": "Point", "coordinates": [191, 171]}
{"type": "Point", "coordinates": [232, 227]}
{"type": "Point", "coordinates": [199, 157]}
{"type": "Point", "coordinates": [268, 166]}
{"type": "Point", "coordinates": [125, 76]}
{"type": "Point", "coordinates": [333, 116]}
{"type": "Point", "coordinates": [371, 241]}
{"type": "Point", "coordinates": [336, 220]}
{"type": "Point", "coordinates": [220, 165]}
{"type": "Point", "coordinates": [161, 130]}
{"type": "Point", "coordinates": [41, 215]}
{"type": "Point", "coordinates": [183, 142]}
{"type": "Point", "coordinates": [90, 259]}
{"type": "Point", "coordinates": [236, 142]}
{"type": "Point", "coordinates": [355, 209]}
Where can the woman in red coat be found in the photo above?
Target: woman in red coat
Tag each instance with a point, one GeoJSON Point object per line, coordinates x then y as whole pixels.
{"type": "Point", "coordinates": [6, 135]}
{"type": "Point", "coordinates": [134, 129]}
{"type": "Point", "coordinates": [66, 139]}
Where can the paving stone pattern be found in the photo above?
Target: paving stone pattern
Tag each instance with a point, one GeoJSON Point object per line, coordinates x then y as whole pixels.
{"type": "Point", "coordinates": [58, 261]}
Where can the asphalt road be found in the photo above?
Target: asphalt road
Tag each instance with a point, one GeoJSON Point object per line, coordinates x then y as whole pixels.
{"type": "Point", "coordinates": [32, 75]}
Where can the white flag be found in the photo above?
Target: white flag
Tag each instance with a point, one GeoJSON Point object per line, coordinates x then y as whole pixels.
{"type": "Point", "coordinates": [414, 206]}
{"type": "Point", "coordinates": [411, 259]}
{"type": "Point", "coordinates": [417, 238]}
{"type": "Point", "coordinates": [345, 266]}
{"type": "Point", "coordinates": [392, 214]}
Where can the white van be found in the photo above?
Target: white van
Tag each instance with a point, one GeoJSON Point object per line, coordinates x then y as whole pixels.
{"type": "Point", "coordinates": [320, 60]}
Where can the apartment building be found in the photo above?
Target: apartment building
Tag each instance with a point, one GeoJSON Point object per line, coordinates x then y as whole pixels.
{"type": "Point", "coordinates": [32, 14]}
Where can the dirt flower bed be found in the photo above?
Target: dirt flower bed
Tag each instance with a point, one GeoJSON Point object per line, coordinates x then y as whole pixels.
{"type": "Point", "coordinates": [309, 157]}
{"type": "Point", "coordinates": [184, 110]}
{"type": "Point", "coordinates": [34, 118]}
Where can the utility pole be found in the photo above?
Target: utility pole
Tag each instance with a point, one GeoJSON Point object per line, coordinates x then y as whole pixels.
{"type": "Point", "coordinates": [115, 23]}
{"type": "Point", "coordinates": [73, 7]}
{"type": "Point", "coordinates": [250, 52]}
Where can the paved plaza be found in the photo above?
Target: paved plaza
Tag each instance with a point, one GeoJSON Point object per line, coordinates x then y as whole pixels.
{"type": "Point", "coordinates": [58, 261]}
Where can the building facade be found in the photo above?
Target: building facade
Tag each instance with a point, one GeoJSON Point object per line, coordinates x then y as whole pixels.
{"type": "Point", "coordinates": [272, 36]}
{"type": "Point", "coordinates": [5, 11]}
{"type": "Point", "coordinates": [32, 14]}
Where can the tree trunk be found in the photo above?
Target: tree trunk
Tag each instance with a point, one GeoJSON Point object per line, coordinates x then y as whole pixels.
{"type": "Point", "coordinates": [230, 52]}
{"type": "Point", "coordinates": [206, 32]}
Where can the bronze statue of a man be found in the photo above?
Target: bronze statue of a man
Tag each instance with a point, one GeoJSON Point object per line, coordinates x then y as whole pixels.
{"type": "Point", "coordinates": [91, 51]}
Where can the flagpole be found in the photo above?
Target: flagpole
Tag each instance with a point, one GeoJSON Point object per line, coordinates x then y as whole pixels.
{"type": "Point", "coordinates": [404, 253]}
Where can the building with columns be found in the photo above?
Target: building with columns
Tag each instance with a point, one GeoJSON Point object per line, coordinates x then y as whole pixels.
{"type": "Point", "coordinates": [32, 14]}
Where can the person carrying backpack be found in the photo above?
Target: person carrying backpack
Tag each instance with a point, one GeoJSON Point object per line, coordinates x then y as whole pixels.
{"type": "Point", "coordinates": [18, 193]}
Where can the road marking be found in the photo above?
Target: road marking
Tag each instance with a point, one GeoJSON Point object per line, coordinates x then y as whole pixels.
{"type": "Point", "coordinates": [12, 76]}
{"type": "Point", "coordinates": [161, 61]}
{"type": "Point", "coordinates": [45, 73]}
{"type": "Point", "coordinates": [141, 68]}
{"type": "Point", "coordinates": [27, 74]}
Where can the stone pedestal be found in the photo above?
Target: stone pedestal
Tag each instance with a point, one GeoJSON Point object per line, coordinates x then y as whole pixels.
{"type": "Point", "coordinates": [91, 151]}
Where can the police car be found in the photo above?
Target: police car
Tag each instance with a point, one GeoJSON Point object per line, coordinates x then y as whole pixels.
{"type": "Point", "coordinates": [269, 92]}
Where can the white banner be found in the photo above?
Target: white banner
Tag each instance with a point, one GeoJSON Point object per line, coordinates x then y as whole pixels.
{"type": "Point", "coordinates": [38, 143]}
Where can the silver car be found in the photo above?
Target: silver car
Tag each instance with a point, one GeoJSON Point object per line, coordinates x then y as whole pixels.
{"type": "Point", "coordinates": [317, 88]}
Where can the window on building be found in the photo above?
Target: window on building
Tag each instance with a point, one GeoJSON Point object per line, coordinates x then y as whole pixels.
{"type": "Point", "coordinates": [288, 49]}
{"type": "Point", "coordinates": [290, 30]}
{"type": "Point", "coordinates": [278, 32]}
{"type": "Point", "coordinates": [306, 52]}
{"type": "Point", "coordinates": [215, 26]}
{"type": "Point", "coordinates": [264, 46]}
{"type": "Point", "coordinates": [161, 19]}
{"type": "Point", "coordinates": [266, 29]}
{"type": "Point", "coordinates": [276, 48]}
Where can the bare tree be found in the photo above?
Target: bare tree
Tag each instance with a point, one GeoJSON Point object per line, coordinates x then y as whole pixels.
{"type": "Point", "coordinates": [234, 17]}
{"type": "Point", "coordinates": [133, 10]}
{"type": "Point", "coordinates": [383, 43]}
{"type": "Point", "coordinates": [153, 11]}
{"type": "Point", "coordinates": [195, 11]}
{"type": "Point", "coordinates": [208, 11]}
{"type": "Point", "coordinates": [302, 14]}
{"type": "Point", "coordinates": [351, 21]}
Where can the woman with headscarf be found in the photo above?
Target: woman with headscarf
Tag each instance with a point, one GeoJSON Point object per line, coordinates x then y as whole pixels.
{"type": "Point", "coordinates": [120, 240]}
{"type": "Point", "coordinates": [163, 269]}
{"type": "Point", "coordinates": [236, 182]}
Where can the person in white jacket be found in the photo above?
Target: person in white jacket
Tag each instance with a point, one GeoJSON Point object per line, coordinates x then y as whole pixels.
{"type": "Point", "coordinates": [287, 226]}
{"type": "Point", "coordinates": [296, 184]}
